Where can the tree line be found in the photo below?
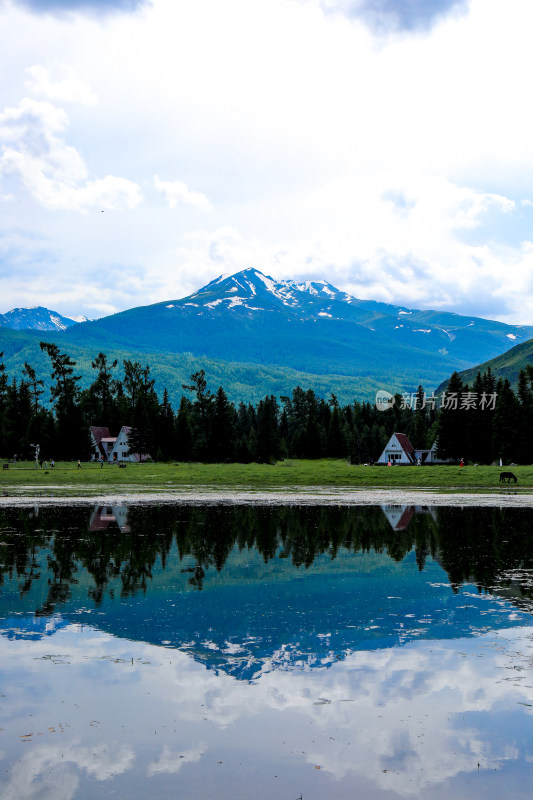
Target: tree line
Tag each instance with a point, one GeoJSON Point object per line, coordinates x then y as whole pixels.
{"type": "Point", "coordinates": [208, 427]}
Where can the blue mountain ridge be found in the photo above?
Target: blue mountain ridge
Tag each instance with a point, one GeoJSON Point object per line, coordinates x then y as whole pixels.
{"type": "Point", "coordinates": [310, 326]}
{"type": "Point", "coordinates": [297, 619]}
{"type": "Point", "coordinates": [256, 336]}
{"type": "Point", "coordinates": [37, 318]}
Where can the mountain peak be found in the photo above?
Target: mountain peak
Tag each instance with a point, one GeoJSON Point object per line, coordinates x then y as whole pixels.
{"type": "Point", "coordinates": [35, 318]}
{"type": "Point", "coordinates": [252, 290]}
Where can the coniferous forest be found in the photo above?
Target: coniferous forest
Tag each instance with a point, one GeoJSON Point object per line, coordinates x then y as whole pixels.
{"type": "Point", "coordinates": [208, 427]}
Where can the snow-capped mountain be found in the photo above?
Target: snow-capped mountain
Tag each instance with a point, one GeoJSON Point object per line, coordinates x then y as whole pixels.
{"type": "Point", "coordinates": [252, 290]}
{"type": "Point", "coordinates": [306, 325]}
{"type": "Point", "coordinates": [36, 318]}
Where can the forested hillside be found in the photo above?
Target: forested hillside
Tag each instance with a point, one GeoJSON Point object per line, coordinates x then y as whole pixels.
{"type": "Point", "coordinates": [481, 422]}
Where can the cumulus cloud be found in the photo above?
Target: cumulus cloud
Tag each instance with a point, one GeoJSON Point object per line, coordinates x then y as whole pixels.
{"type": "Point", "coordinates": [178, 193]}
{"type": "Point", "coordinates": [54, 173]}
{"type": "Point", "coordinates": [298, 154]}
{"type": "Point", "coordinates": [66, 86]}
{"type": "Point", "coordinates": [51, 772]}
{"type": "Point", "coordinates": [397, 15]}
{"type": "Point", "coordinates": [402, 239]}
{"type": "Point", "coordinates": [406, 719]}
{"type": "Point", "coordinates": [171, 762]}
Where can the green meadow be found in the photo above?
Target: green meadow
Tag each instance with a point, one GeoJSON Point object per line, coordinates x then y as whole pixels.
{"type": "Point", "coordinates": [284, 474]}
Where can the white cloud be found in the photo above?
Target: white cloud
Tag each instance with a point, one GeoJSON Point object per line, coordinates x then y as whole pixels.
{"type": "Point", "coordinates": [172, 762]}
{"type": "Point", "coordinates": [403, 719]}
{"type": "Point", "coordinates": [53, 172]}
{"type": "Point", "coordinates": [67, 87]}
{"type": "Point", "coordinates": [177, 192]}
{"type": "Point", "coordinates": [397, 167]}
{"type": "Point", "coordinates": [51, 772]}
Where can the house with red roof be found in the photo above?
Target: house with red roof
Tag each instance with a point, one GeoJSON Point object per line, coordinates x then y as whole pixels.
{"type": "Point", "coordinates": [102, 443]}
{"type": "Point", "coordinates": [399, 450]}
{"type": "Point", "coordinates": [113, 448]}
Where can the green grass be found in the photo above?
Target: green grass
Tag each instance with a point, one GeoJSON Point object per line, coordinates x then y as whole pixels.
{"type": "Point", "coordinates": [66, 477]}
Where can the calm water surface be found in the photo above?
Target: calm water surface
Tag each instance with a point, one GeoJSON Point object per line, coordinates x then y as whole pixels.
{"type": "Point", "coordinates": [247, 651]}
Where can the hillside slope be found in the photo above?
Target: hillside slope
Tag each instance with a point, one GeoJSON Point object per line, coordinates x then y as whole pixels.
{"type": "Point", "coordinates": [507, 365]}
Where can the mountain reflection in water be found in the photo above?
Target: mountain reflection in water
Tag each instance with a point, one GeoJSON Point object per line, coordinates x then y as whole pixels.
{"type": "Point", "coordinates": [246, 589]}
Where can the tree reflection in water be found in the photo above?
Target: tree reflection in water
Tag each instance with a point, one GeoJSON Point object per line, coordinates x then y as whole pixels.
{"type": "Point", "coordinates": [124, 544]}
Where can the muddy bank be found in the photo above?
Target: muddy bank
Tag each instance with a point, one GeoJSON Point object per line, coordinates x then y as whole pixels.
{"type": "Point", "coordinates": [64, 495]}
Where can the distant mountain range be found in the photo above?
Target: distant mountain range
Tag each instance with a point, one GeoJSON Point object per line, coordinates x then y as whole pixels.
{"type": "Point", "coordinates": [36, 318]}
{"type": "Point", "coordinates": [266, 336]}
{"type": "Point", "coordinates": [309, 326]}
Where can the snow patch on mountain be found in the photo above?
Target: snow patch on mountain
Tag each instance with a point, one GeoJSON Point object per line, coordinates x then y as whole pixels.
{"type": "Point", "coordinates": [55, 320]}
{"type": "Point", "coordinates": [35, 318]}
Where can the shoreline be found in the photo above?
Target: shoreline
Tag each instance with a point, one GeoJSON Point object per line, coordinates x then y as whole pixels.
{"type": "Point", "coordinates": [288, 495]}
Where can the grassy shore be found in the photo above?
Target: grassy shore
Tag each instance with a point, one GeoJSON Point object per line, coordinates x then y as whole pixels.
{"type": "Point", "coordinates": [292, 472]}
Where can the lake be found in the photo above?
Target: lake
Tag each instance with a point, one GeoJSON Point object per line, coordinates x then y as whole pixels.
{"type": "Point", "coordinates": [297, 651]}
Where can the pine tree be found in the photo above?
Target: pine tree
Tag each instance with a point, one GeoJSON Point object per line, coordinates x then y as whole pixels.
{"type": "Point", "coordinates": [35, 385]}
{"type": "Point", "coordinates": [72, 428]}
{"type": "Point", "coordinates": [165, 440]}
{"type": "Point", "coordinates": [132, 383]}
{"type": "Point", "coordinates": [419, 432]}
{"type": "Point", "coordinates": [337, 443]}
{"type": "Point", "coordinates": [184, 438]}
{"type": "Point", "coordinates": [268, 441]}
{"type": "Point", "coordinates": [101, 395]}
{"type": "Point", "coordinates": [452, 435]}
{"type": "Point", "coordinates": [506, 433]}
{"type": "Point", "coordinates": [201, 416]}
{"type": "Point", "coordinates": [3, 401]}
{"type": "Point", "coordinates": [525, 398]}
{"type": "Point", "coordinates": [222, 429]}
{"type": "Point", "coordinates": [145, 412]}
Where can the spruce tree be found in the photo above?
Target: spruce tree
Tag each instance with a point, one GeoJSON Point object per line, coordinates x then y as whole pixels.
{"type": "Point", "coordinates": [72, 428]}
{"type": "Point", "coordinates": [452, 433]}
{"type": "Point", "coordinates": [184, 437]}
{"type": "Point", "coordinates": [223, 429]}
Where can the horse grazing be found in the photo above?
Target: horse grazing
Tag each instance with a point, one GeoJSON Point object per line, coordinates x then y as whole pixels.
{"type": "Point", "coordinates": [509, 475]}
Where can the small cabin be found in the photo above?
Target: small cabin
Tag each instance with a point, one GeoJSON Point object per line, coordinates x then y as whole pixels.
{"type": "Point", "coordinates": [399, 450]}
{"type": "Point", "coordinates": [113, 448]}
{"type": "Point", "coordinates": [102, 443]}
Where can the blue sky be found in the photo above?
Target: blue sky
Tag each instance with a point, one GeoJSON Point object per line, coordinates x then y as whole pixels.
{"type": "Point", "coordinates": [382, 145]}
